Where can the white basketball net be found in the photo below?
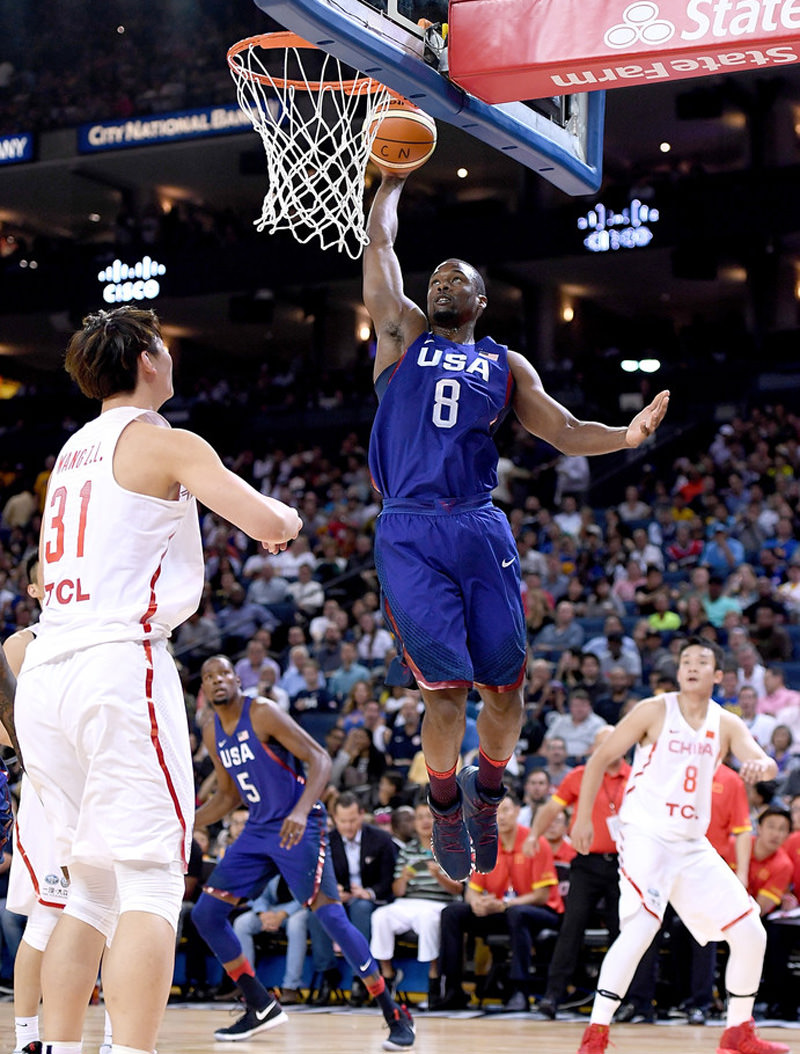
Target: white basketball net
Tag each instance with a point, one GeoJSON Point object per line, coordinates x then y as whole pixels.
{"type": "Point", "coordinates": [316, 121]}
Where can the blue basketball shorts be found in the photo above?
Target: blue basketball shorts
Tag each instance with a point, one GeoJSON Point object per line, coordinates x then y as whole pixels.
{"type": "Point", "coordinates": [256, 856]}
{"type": "Point", "coordinates": [452, 595]}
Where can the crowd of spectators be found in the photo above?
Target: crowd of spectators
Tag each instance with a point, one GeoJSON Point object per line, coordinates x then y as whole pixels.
{"type": "Point", "coordinates": [707, 546]}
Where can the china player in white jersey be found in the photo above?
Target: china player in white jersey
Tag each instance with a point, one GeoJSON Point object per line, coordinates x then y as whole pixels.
{"type": "Point", "coordinates": [99, 708]}
{"type": "Point", "coordinates": [36, 886]}
{"type": "Point", "coordinates": [664, 855]}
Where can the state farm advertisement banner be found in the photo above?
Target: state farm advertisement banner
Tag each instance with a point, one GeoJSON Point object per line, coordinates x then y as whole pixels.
{"type": "Point", "coordinates": [508, 50]}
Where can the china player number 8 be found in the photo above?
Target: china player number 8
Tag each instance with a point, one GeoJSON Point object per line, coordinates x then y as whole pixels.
{"type": "Point", "coordinates": [445, 402]}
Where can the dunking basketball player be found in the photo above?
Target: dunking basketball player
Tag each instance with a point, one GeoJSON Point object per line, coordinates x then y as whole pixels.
{"type": "Point", "coordinates": [444, 554]}
{"type": "Point", "coordinates": [99, 706]}
{"type": "Point", "coordinates": [664, 854]}
{"type": "Point", "coordinates": [258, 753]}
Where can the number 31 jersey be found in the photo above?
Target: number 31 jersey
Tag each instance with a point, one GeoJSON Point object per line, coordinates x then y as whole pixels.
{"type": "Point", "coordinates": [115, 565]}
{"type": "Point", "coordinates": [440, 406]}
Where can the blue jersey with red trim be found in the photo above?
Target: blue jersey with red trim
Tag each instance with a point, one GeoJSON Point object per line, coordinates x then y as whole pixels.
{"type": "Point", "coordinates": [269, 777]}
{"type": "Point", "coordinates": [440, 406]}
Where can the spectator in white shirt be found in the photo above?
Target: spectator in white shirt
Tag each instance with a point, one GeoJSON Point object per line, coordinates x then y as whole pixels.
{"type": "Point", "coordinates": [308, 595]}
{"type": "Point", "coordinates": [249, 668]}
{"type": "Point", "coordinates": [751, 669]}
{"type": "Point", "coordinates": [761, 725]}
{"type": "Point", "coordinates": [578, 727]}
{"type": "Point", "coordinates": [633, 508]}
{"type": "Point", "coordinates": [374, 642]}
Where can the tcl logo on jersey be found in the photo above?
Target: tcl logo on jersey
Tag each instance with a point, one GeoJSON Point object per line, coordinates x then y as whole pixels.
{"type": "Point", "coordinates": [65, 592]}
{"type": "Point", "coordinates": [540, 53]}
{"type": "Point", "coordinates": [686, 812]}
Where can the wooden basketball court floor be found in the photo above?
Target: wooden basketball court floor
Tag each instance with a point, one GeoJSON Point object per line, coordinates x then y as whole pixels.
{"type": "Point", "coordinates": [189, 1030]}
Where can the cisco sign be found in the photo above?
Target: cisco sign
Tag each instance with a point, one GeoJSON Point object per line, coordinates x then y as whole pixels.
{"type": "Point", "coordinates": [125, 282]}
{"type": "Point", "coordinates": [609, 230]}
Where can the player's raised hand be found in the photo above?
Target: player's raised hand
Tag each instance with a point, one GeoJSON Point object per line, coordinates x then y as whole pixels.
{"type": "Point", "coordinates": [647, 420]}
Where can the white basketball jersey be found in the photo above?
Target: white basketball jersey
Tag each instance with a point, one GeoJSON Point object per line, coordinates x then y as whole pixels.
{"type": "Point", "coordinates": [669, 788]}
{"type": "Point", "coordinates": [116, 565]}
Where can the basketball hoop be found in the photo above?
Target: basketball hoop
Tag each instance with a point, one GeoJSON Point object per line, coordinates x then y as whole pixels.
{"type": "Point", "coordinates": [317, 126]}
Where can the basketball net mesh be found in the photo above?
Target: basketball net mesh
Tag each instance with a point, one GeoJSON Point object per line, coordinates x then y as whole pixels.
{"type": "Point", "coordinates": [317, 126]}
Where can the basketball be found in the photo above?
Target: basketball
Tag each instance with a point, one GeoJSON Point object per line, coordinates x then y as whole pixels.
{"type": "Point", "coordinates": [405, 138]}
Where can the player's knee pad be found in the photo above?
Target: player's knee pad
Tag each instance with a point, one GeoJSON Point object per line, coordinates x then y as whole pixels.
{"type": "Point", "coordinates": [210, 917]}
{"type": "Point", "coordinates": [41, 923]}
{"type": "Point", "coordinates": [154, 888]}
{"type": "Point", "coordinates": [92, 897]}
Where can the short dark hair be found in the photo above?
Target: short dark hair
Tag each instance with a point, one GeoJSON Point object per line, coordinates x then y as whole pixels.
{"type": "Point", "coordinates": [704, 642]}
{"type": "Point", "coordinates": [30, 565]}
{"type": "Point", "coordinates": [775, 810]}
{"type": "Point", "coordinates": [395, 777]}
{"type": "Point", "coordinates": [346, 799]}
{"type": "Point", "coordinates": [102, 357]}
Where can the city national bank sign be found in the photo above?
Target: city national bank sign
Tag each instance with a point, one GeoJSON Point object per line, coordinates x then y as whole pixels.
{"type": "Point", "coordinates": [162, 128]}
{"type": "Point", "coordinates": [538, 48]}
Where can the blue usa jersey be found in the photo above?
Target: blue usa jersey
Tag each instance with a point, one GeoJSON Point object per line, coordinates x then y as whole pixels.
{"type": "Point", "coordinates": [440, 406]}
{"type": "Point", "coordinates": [270, 778]}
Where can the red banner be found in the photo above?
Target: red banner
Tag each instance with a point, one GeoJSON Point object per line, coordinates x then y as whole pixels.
{"type": "Point", "coordinates": [507, 50]}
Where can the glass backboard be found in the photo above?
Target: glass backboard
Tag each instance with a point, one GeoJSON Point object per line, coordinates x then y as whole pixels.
{"type": "Point", "coordinates": [560, 138]}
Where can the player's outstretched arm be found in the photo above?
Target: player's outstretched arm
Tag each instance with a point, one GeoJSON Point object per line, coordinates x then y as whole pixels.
{"type": "Point", "coordinates": [642, 722]}
{"type": "Point", "coordinates": [545, 417]}
{"type": "Point", "coordinates": [755, 765]}
{"type": "Point", "coordinates": [270, 722]}
{"type": "Point", "coordinates": [196, 465]}
{"type": "Point", "coordinates": [226, 796]}
{"type": "Point", "coordinates": [397, 320]}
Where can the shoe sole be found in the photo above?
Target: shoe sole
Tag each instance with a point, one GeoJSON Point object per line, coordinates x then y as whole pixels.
{"type": "Point", "coordinates": [222, 1037]}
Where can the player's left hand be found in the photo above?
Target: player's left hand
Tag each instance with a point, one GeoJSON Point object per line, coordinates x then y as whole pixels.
{"type": "Point", "coordinates": [755, 771]}
{"type": "Point", "coordinates": [273, 548]}
{"type": "Point", "coordinates": [292, 830]}
{"type": "Point", "coordinates": [582, 836]}
{"type": "Point", "coordinates": [647, 420]}
{"type": "Point", "coordinates": [6, 811]}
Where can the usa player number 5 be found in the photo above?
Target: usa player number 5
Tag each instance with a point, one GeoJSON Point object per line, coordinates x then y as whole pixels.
{"type": "Point", "coordinates": [248, 790]}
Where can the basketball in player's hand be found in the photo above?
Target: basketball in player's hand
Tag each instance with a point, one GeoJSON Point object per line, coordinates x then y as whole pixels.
{"type": "Point", "coordinates": [405, 137]}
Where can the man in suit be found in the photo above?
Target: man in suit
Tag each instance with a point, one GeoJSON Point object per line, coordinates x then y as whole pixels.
{"type": "Point", "coordinates": [363, 859]}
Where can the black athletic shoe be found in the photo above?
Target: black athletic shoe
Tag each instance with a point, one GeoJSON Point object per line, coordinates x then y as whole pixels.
{"type": "Point", "coordinates": [252, 1021]}
{"type": "Point", "coordinates": [450, 841]}
{"type": "Point", "coordinates": [480, 816]}
{"type": "Point", "coordinates": [34, 1047]}
{"type": "Point", "coordinates": [547, 1007]}
{"type": "Point", "coordinates": [401, 1031]}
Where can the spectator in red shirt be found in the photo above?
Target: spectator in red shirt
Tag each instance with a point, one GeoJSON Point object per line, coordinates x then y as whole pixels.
{"type": "Point", "coordinates": [593, 878]}
{"type": "Point", "coordinates": [771, 873]}
{"type": "Point", "coordinates": [519, 897]}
